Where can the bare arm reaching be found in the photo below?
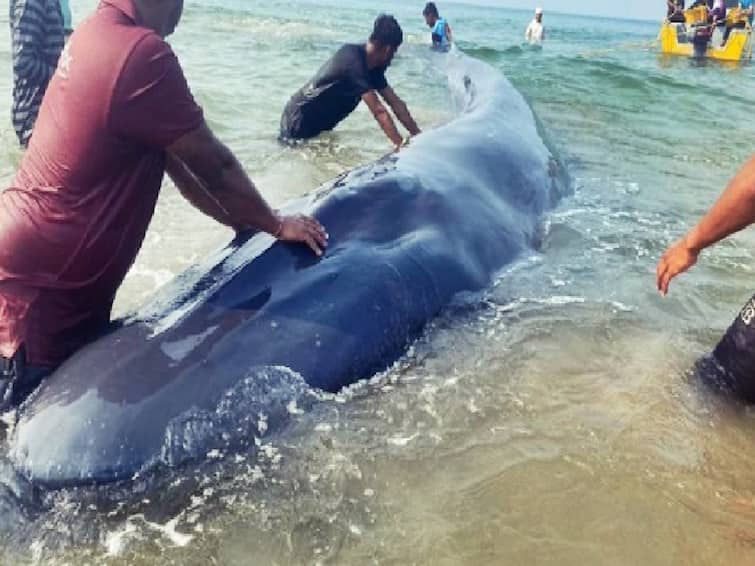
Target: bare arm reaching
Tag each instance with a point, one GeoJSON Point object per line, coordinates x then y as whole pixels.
{"type": "Point", "coordinates": [237, 202]}
{"type": "Point", "coordinates": [734, 210]}
{"type": "Point", "coordinates": [399, 108]}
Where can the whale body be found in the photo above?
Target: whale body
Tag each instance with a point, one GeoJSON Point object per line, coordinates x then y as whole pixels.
{"type": "Point", "coordinates": [407, 234]}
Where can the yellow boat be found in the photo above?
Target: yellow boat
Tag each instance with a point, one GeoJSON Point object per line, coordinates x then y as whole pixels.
{"type": "Point", "coordinates": [694, 37]}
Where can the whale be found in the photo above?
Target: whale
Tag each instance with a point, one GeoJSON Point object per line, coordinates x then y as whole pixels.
{"type": "Point", "coordinates": [408, 234]}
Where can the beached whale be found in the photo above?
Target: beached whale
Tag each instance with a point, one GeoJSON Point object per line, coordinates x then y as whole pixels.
{"type": "Point", "coordinates": [407, 234]}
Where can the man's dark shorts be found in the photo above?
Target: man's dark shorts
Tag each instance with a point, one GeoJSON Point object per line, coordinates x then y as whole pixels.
{"type": "Point", "coordinates": [736, 353]}
{"type": "Point", "coordinates": [292, 126]}
{"type": "Point", "coordinates": [18, 379]}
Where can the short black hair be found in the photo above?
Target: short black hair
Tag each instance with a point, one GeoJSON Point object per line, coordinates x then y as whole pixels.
{"type": "Point", "coordinates": [430, 10]}
{"type": "Point", "coordinates": [387, 32]}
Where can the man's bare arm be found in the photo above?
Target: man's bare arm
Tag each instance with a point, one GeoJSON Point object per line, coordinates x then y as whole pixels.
{"type": "Point", "coordinates": [400, 109]}
{"type": "Point", "coordinates": [383, 117]}
{"type": "Point", "coordinates": [734, 210]}
{"type": "Point", "coordinates": [449, 33]}
{"type": "Point", "coordinates": [196, 193]}
{"type": "Point", "coordinates": [219, 172]}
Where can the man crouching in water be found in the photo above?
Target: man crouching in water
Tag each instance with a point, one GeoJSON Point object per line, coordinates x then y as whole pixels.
{"type": "Point", "coordinates": [734, 211]}
{"type": "Point", "coordinates": [117, 115]}
{"type": "Point", "coordinates": [354, 73]}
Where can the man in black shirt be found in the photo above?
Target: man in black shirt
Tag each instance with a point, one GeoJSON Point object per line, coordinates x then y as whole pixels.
{"type": "Point", "coordinates": [354, 73]}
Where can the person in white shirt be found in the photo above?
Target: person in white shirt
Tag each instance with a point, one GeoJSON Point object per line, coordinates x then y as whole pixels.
{"type": "Point", "coordinates": [535, 32]}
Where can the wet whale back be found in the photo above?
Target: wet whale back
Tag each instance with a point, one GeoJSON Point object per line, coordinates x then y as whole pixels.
{"type": "Point", "coordinates": [407, 233]}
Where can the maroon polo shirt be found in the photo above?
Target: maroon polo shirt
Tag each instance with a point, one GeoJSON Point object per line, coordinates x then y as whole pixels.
{"type": "Point", "coordinates": [75, 216]}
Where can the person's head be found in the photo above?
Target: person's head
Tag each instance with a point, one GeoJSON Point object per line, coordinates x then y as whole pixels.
{"type": "Point", "coordinates": [384, 41]}
{"type": "Point", "coordinates": [161, 16]}
{"type": "Point", "coordinates": [431, 13]}
{"type": "Point", "coordinates": [539, 14]}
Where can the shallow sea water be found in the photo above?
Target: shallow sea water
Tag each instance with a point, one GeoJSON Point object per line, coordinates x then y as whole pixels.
{"type": "Point", "coordinates": [554, 419]}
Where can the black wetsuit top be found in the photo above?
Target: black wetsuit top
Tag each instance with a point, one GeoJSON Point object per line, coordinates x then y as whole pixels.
{"type": "Point", "coordinates": [332, 94]}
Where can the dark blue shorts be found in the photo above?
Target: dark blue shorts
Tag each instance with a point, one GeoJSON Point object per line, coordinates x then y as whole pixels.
{"type": "Point", "coordinates": [736, 353]}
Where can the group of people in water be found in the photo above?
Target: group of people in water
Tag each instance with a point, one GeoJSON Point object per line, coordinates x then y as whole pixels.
{"type": "Point", "coordinates": [102, 115]}
{"type": "Point", "coordinates": [105, 113]}
{"type": "Point", "coordinates": [716, 9]}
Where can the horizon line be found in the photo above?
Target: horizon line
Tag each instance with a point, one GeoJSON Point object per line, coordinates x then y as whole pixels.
{"type": "Point", "coordinates": [494, 4]}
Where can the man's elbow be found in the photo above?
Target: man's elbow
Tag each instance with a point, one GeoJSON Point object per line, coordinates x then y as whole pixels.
{"type": "Point", "coordinates": [225, 158]}
{"type": "Point", "coordinates": [221, 163]}
{"type": "Point", "coordinates": [210, 164]}
{"type": "Point", "coordinates": [379, 112]}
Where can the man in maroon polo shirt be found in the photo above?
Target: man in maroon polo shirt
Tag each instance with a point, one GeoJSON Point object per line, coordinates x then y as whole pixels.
{"type": "Point", "coordinates": [117, 114]}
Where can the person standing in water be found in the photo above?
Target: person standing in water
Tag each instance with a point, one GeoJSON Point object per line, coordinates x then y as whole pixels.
{"type": "Point", "coordinates": [442, 36]}
{"type": "Point", "coordinates": [734, 211]}
{"type": "Point", "coordinates": [355, 73]}
{"type": "Point", "coordinates": [38, 36]}
{"type": "Point", "coordinates": [535, 31]}
{"type": "Point", "coordinates": [118, 115]}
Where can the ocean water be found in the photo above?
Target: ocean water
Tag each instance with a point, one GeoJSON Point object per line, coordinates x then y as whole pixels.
{"type": "Point", "coordinates": [556, 419]}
